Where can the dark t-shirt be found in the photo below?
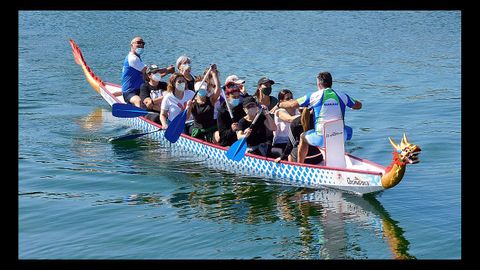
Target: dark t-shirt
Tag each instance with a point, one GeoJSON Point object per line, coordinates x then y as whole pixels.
{"type": "Point", "coordinates": [146, 89]}
{"type": "Point", "coordinates": [224, 123]}
{"type": "Point", "coordinates": [203, 115]}
{"type": "Point", "coordinates": [191, 83]}
{"type": "Point", "coordinates": [259, 130]}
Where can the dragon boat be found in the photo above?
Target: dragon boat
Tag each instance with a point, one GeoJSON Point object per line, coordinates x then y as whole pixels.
{"type": "Point", "coordinates": [357, 175]}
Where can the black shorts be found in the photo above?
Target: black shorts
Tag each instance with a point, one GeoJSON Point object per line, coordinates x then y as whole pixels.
{"type": "Point", "coordinates": [128, 95]}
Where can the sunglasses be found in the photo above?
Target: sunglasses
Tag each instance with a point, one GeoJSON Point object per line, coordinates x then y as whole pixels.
{"type": "Point", "coordinates": [140, 42]}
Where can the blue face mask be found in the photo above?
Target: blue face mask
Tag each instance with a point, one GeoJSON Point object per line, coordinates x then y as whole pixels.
{"type": "Point", "coordinates": [234, 102]}
{"type": "Point", "coordinates": [139, 51]}
{"type": "Point", "coordinates": [202, 92]}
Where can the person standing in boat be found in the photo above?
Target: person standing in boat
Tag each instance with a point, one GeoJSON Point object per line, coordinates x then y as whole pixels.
{"type": "Point", "coordinates": [183, 66]}
{"type": "Point", "coordinates": [327, 105]}
{"type": "Point", "coordinates": [176, 100]}
{"type": "Point", "coordinates": [133, 70]}
{"type": "Point", "coordinates": [257, 141]}
{"type": "Point", "coordinates": [228, 126]}
{"type": "Point", "coordinates": [151, 91]}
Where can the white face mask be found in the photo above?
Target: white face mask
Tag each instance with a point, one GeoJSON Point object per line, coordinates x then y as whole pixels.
{"type": "Point", "coordinates": [252, 111]}
{"type": "Point", "coordinates": [156, 77]}
{"type": "Point", "coordinates": [185, 66]}
{"type": "Point", "coordinates": [181, 86]}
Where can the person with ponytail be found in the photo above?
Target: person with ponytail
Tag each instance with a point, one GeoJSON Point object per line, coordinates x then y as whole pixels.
{"type": "Point", "coordinates": [296, 128]}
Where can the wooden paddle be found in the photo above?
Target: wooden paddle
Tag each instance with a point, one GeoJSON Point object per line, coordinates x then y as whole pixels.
{"type": "Point", "coordinates": [176, 126]}
{"type": "Point", "coordinates": [238, 149]}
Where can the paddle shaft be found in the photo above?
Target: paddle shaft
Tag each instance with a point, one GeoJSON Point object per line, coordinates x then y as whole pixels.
{"type": "Point", "coordinates": [131, 136]}
{"type": "Point", "coordinates": [228, 105]}
{"type": "Point", "coordinates": [237, 150]}
{"type": "Point", "coordinates": [203, 80]}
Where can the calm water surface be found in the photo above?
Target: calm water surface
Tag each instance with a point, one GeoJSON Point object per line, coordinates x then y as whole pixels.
{"type": "Point", "coordinates": [82, 197]}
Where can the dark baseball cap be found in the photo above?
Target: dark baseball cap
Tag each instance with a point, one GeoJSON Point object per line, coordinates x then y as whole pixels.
{"type": "Point", "coordinates": [248, 100]}
{"type": "Point", "coordinates": [265, 80]}
{"type": "Point", "coordinates": [152, 68]}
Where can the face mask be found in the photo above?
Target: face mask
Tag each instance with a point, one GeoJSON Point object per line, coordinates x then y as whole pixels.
{"type": "Point", "coordinates": [267, 91]}
{"type": "Point", "coordinates": [234, 102]}
{"type": "Point", "coordinates": [252, 111]}
{"type": "Point", "coordinates": [139, 51]}
{"type": "Point", "coordinates": [202, 93]}
{"type": "Point", "coordinates": [185, 66]}
{"type": "Point", "coordinates": [157, 77]}
{"type": "Point", "coordinates": [181, 86]}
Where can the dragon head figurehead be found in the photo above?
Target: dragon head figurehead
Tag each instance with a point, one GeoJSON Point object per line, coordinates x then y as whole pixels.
{"type": "Point", "coordinates": [403, 154]}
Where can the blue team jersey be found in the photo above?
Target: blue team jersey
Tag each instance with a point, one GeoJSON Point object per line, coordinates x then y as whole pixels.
{"type": "Point", "coordinates": [327, 105]}
{"type": "Point", "coordinates": [132, 77]}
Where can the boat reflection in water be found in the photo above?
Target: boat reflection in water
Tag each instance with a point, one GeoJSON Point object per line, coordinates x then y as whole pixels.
{"type": "Point", "coordinates": [331, 224]}
{"type": "Point", "coordinates": [340, 208]}
{"type": "Point", "coordinates": [93, 121]}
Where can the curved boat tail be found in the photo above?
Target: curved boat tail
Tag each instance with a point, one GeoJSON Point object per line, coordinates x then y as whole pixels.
{"type": "Point", "coordinates": [403, 154]}
{"type": "Point", "coordinates": [94, 81]}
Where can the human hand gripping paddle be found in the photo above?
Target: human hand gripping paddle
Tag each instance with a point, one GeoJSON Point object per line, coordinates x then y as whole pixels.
{"type": "Point", "coordinates": [238, 149]}
{"type": "Point", "coordinates": [175, 128]}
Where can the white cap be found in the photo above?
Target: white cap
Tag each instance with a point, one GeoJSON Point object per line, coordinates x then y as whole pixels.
{"type": "Point", "coordinates": [235, 79]}
{"type": "Point", "coordinates": [200, 85]}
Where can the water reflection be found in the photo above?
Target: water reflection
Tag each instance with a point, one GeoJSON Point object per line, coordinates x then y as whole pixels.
{"type": "Point", "coordinates": [330, 223]}
{"type": "Point", "coordinates": [93, 121]}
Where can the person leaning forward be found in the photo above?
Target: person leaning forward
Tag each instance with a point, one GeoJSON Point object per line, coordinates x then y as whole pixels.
{"type": "Point", "coordinates": [327, 105]}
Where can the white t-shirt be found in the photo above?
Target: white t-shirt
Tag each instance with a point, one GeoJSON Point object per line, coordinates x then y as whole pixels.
{"type": "Point", "coordinates": [175, 106]}
{"type": "Point", "coordinates": [281, 134]}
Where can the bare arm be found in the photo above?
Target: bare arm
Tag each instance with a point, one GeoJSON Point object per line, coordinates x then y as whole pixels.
{"type": "Point", "coordinates": [163, 119]}
{"type": "Point", "coordinates": [285, 116]}
{"type": "Point", "coordinates": [293, 103]}
{"type": "Point", "coordinates": [216, 81]}
{"type": "Point", "coordinates": [269, 123]}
